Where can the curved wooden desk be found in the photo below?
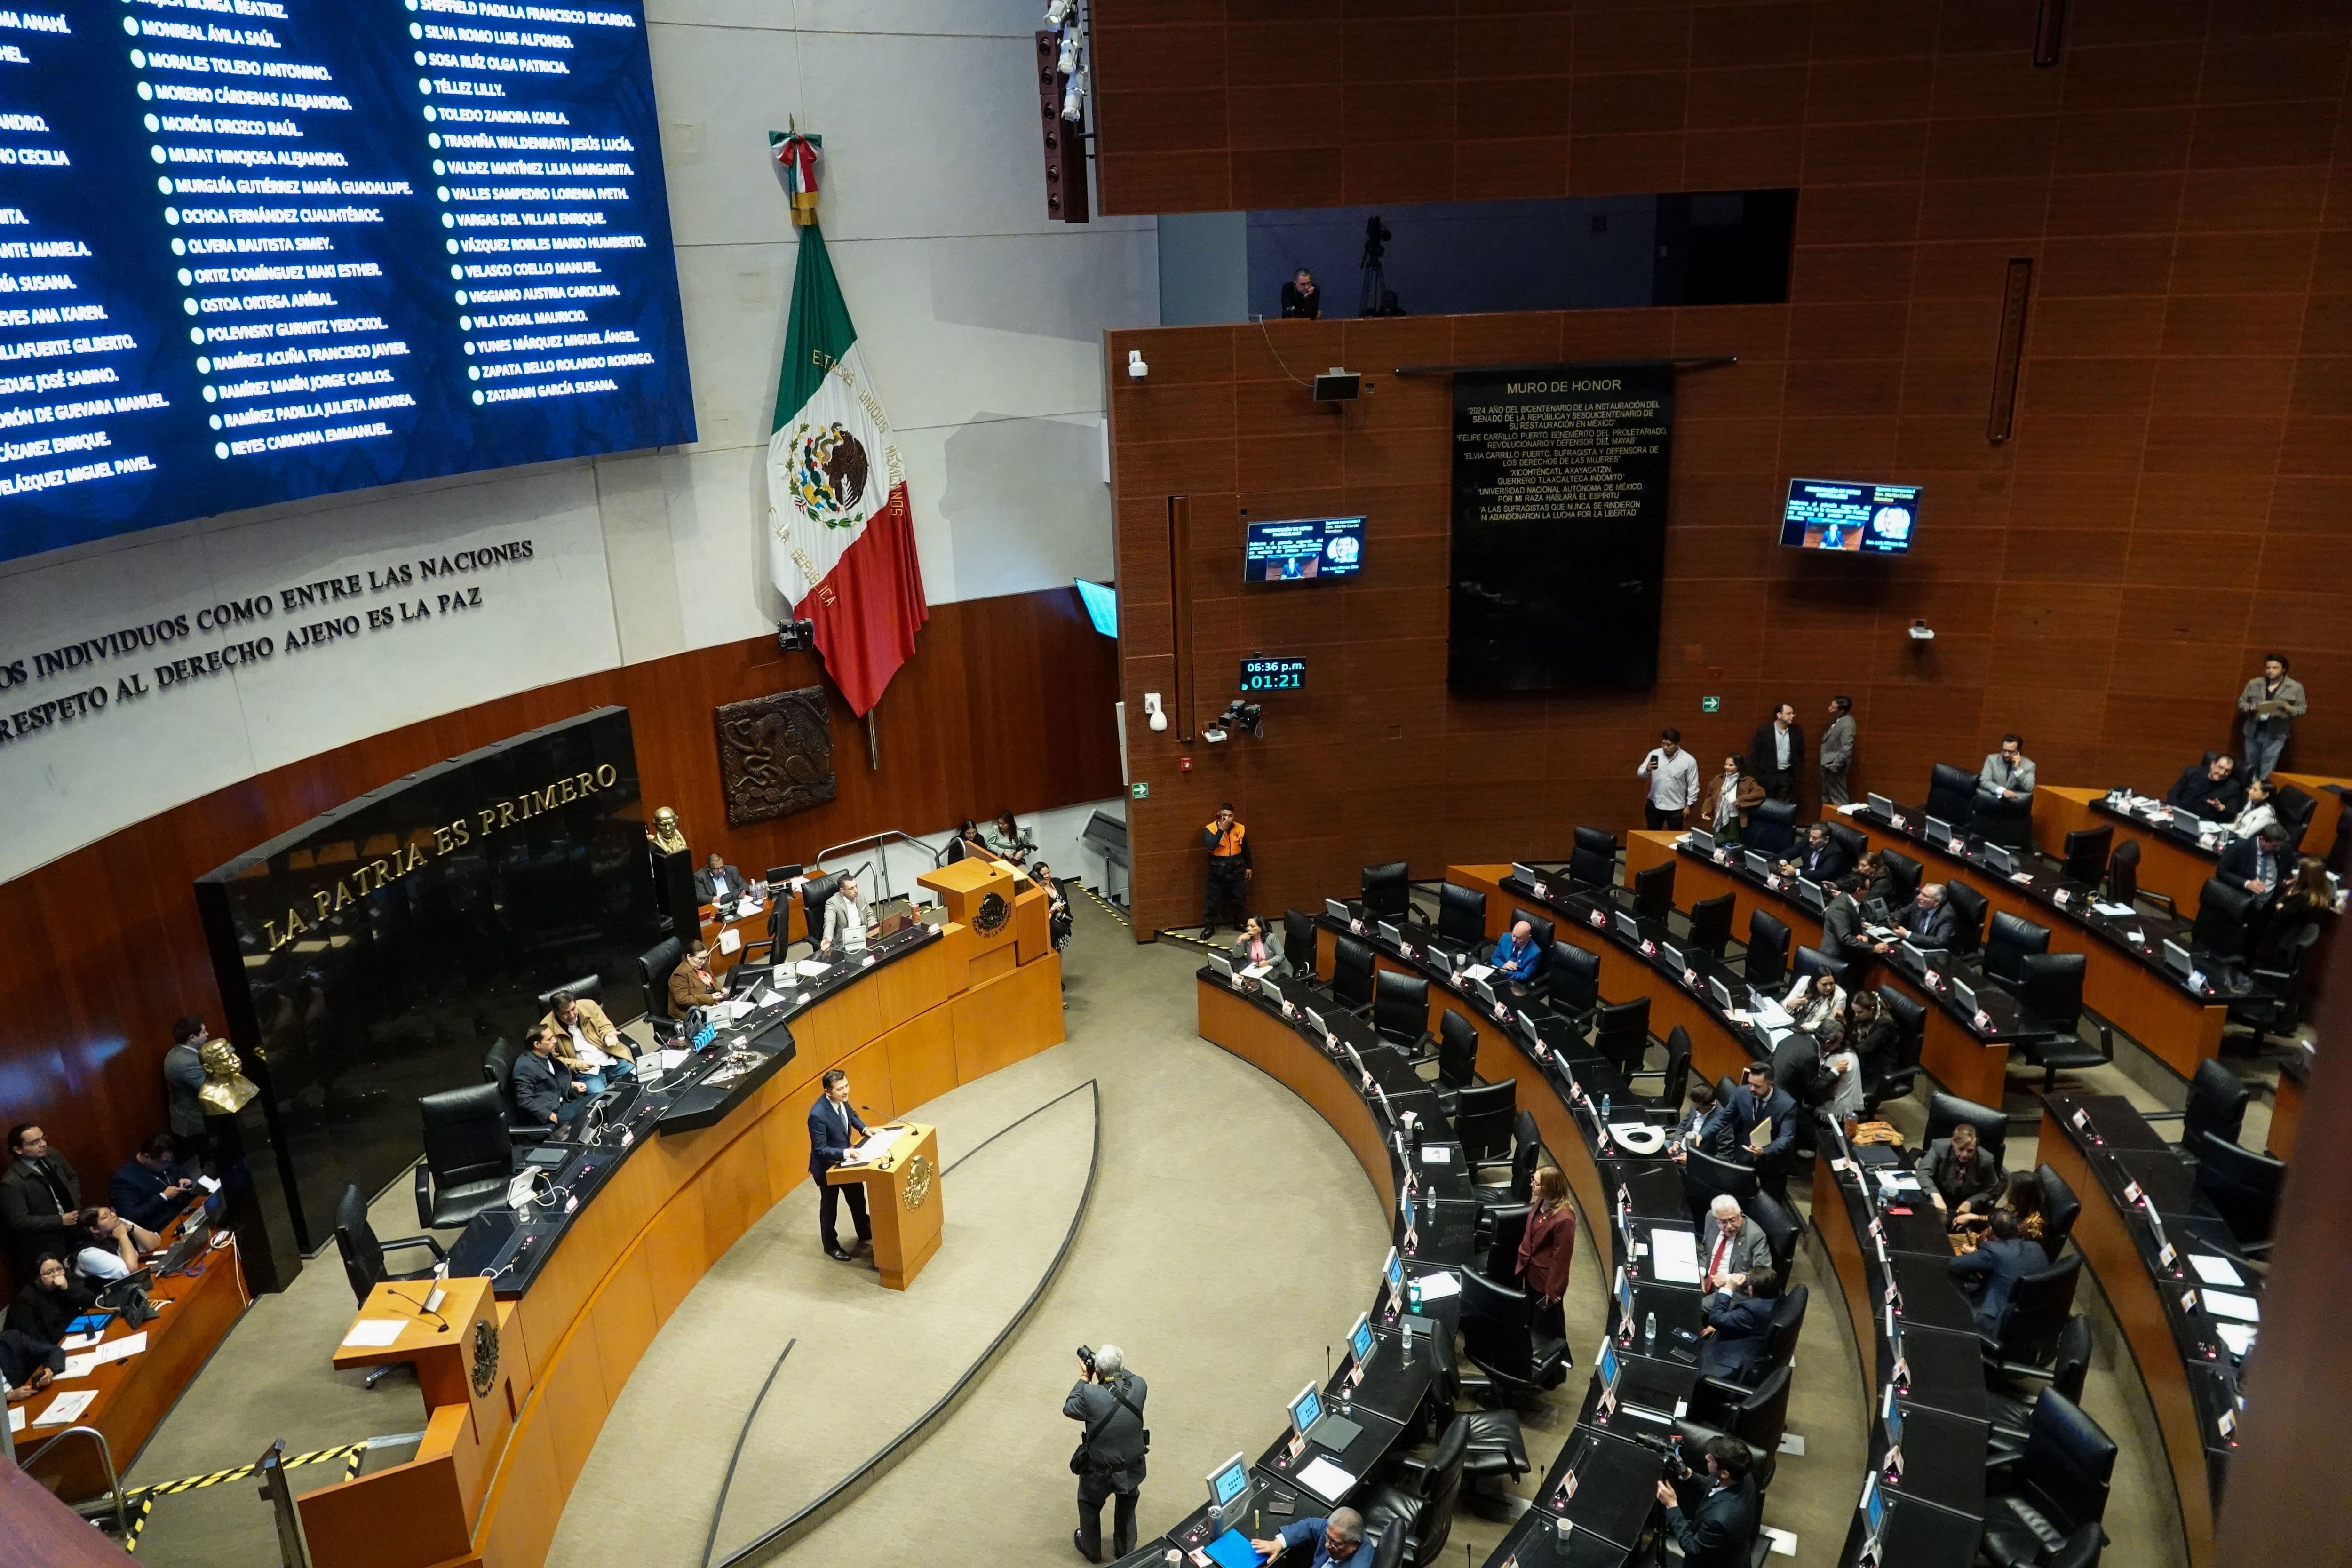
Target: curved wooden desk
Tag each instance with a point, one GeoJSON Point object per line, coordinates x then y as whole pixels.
{"type": "Point", "coordinates": [488, 1482]}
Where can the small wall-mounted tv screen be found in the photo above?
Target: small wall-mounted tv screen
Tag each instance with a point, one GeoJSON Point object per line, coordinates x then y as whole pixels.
{"type": "Point", "coordinates": [1309, 548]}
{"type": "Point", "coordinates": [1850, 515]}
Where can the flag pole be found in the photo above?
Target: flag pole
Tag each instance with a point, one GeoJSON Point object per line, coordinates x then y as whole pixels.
{"type": "Point", "coordinates": [873, 740]}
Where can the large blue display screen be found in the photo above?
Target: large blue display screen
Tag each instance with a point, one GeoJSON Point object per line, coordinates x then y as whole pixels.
{"type": "Point", "coordinates": [257, 249]}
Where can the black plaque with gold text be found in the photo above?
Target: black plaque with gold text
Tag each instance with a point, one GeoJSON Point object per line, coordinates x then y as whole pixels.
{"type": "Point", "coordinates": [1560, 526]}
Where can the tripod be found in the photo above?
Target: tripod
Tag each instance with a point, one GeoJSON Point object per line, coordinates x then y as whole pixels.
{"type": "Point", "coordinates": [1375, 298]}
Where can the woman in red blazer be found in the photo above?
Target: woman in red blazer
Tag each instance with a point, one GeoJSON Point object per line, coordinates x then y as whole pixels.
{"type": "Point", "coordinates": [1548, 1248]}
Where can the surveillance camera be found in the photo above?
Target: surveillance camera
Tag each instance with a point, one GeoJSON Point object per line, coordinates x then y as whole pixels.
{"type": "Point", "coordinates": [1153, 711]}
{"type": "Point", "coordinates": [1214, 734]}
{"type": "Point", "coordinates": [1135, 365]}
{"type": "Point", "coordinates": [1922, 632]}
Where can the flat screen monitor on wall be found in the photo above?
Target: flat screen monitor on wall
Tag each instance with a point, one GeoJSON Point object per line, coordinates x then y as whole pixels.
{"type": "Point", "coordinates": [1303, 550]}
{"type": "Point", "coordinates": [1852, 515]}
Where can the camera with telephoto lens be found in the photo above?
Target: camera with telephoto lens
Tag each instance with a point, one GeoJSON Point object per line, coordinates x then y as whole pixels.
{"type": "Point", "coordinates": [1669, 1451]}
{"type": "Point", "coordinates": [1087, 1354]}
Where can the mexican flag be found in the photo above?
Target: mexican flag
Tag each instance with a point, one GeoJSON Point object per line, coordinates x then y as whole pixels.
{"type": "Point", "coordinates": [841, 545]}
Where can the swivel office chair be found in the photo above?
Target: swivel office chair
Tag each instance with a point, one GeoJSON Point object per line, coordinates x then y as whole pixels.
{"type": "Point", "coordinates": [2050, 993]}
{"type": "Point", "coordinates": [1951, 795]}
{"type": "Point", "coordinates": [2217, 1104]}
{"type": "Point", "coordinates": [1672, 1080]}
{"type": "Point", "coordinates": [2245, 1186]}
{"type": "Point", "coordinates": [1758, 1417]}
{"type": "Point", "coordinates": [2012, 937]}
{"type": "Point", "coordinates": [1387, 892]}
{"type": "Point", "coordinates": [1506, 1229]}
{"type": "Point", "coordinates": [2060, 1209]}
{"type": "Point", "coordinates": [2011, 1418]}
{"type": "Point", "coordinates": [1483, 1115]}
{"type": "Point", "coordinates": [1593, 862]}
{"type": "Point", "coordinates": [1458, 1056]}
{"type": "Point", "coordinates": [587, 988]}
{"type": "Point", "coordinates": [1852, 840]}
{"type": "Point", "coordinates": [1902, 871]}
{"type": "Point", "coordinates": [816, 894]}
{"type": "Point", "coordinates": [1710, 924]}
{"type": "Point", "coordinates": [1895, 1078]}
{"type": "Point", "coordinates": [468, 1156]}
{"type": "Point", "coordinates": [1782, 1234]}
{"type": "Point", "coordinates": [1416, 1504]}
{"type": "Point", "coordinates": [1654, 891]}
{"type": "Point", "coordinates": [1767, 966]}
{"type": "Point", "coordinates": [653, 966]}
{"type": "Point", "coordinates": [2054, 1488]}
{"type": "Point", "coordinates": [1462, 918]}
{"type": "Point", "coordinates": [2295, 807]}
{"type": "Point", "coordinates": [2224, 921]}
{"type": "Point", "coordinates": [1298, 944]}
{"type": "Point", "coordinates": [1620, 1034]}
{"type": "Point", "coordinates": [2086, 852]}
{"type": "Point", "coordinates": [1498, 1333]}
{"type": "Point", "coordinates": [1772, 828]}
{"type": "Point", "coordinates": [1970, 907]}
{"type": "Point", "coordinates": [1351, 973]}
{"type": "Point", "coordinates": [1401, 1013]}
{"type": "Point", "coordinates": [1541, 931]}
{"type": "Point", "coordinates": [363, 1255]}
{"type": "Point", "coordinates": [2038, 1306]}
{"type": "Point", "coordinates": [2123, 873]}
{"type": "Point", "coordinates": [1571, 981]}
{"type": "Point", "coordinates": [1945, 1111]}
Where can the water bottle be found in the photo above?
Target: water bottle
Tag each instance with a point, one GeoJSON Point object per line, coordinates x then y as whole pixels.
{"type": "Point", "coordinates": [1604, 1111]}
{"type": "Point", "coordinates": [1650, 1333]}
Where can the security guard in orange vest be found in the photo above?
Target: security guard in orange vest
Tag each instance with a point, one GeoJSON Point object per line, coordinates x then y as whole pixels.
{"type": "Point", "coordinates": [1227, 842]}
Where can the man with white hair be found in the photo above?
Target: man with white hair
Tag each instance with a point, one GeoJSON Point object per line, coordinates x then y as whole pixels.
{"type": "Point", "coordinates": [1109, 1461]}
{"type": "Point", "coordinates": [1738, 1245]}
{"type": "Point", "coordinates": [1339, 1539]}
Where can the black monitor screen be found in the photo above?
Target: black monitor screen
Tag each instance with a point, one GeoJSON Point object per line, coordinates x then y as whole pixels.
{"type": "Point", "coordinates": [1850, 515]}
{"type": "Point", "coordinates": [1295, 551]}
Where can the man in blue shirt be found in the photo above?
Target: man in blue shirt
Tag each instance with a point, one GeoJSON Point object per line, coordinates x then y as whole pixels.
{"type": "Point", "coordinates": [1339, 1539]}
{"type": "Point", "coordinates": [1516, 956]}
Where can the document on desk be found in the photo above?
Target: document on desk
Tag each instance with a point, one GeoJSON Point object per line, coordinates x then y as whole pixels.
{"type": "Point", "coordinates": [2115, 911]}
{"type": "Point", "coordinates": [2215, 1270]}
{"type": "Point", "coordinates": [1770, 1014]}
{"type": "Point", "coordinates": [1436, 1154]}
{"type": "Point", "coordinates": [1437, 1287]}
{"type": "Point", "coordinates": [1326, 1479]}
{"type": "Point", "coordinates": [209, 1184]}
{"type": "Point", "coordinates": [2238, 1338]}
{"type": "Point", "coordinates": [1256, 971]}
{"type": "Point", "coordinates": [2229, 1304]}
{"type": "Point", "coordinates": [875, 1147]}
{"type": "Point", "coordinates": [373, 1334]}
{"type": "Point", "coordinates": [67, 1408]}
{"type": "Point", "coordinates": [811, 966]}
{"type": "Point", "coordinates": [1478, 971]}
{"type": "Point", "coordinates": [79, 1366]}
{"type": "Point", "coordinates": [1674, 1257]}
{"type": "Point", "coordinates": [15, 1418]}
{"type": "Point", "coordinates": [123, 1348]}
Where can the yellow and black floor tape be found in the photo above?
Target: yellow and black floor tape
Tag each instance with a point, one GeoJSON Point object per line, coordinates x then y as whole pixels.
{"type": "Point", "coordinates": [140, 1501]}
{"type": "Point", "coordinates": [1113, 911]}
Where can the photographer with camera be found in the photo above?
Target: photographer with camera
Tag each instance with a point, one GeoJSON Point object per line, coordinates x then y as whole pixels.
{"type": "Point", "coordinates": [1110, 1460]}
{"type": "Point", "coordinates": [1719, 1529]}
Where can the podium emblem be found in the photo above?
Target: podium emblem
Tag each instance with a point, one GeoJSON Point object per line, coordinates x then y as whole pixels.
{"type": "Point", "coordinates": [486, 1356]}
{"type": "Point", "coordinates": [919, 1176]}
{"type": "Point", "coordinates": [990, 917]}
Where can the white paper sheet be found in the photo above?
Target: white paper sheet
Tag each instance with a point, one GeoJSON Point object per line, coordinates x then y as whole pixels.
{"type": "Point", "coordinates": [2229, 1304]}
{"type": "Point", "coordinates": [128, 1345]}
{"type": "Point", "coordinates": [15, 1418]}
{"type": "Point", "coordinates": [2237, 1338]}
{"type": "Point", "coordinates": [2215, 1270]}
{"type": "Point", "coordinates": [808, 966]}
{"type": "Point", "coordinates": [1436, 1154]}
{"type": "Point", "coordinates": [2115, 911]}
{"type": "Point", "coordinates": [373, 1334]}
{"type": "Point", "coordinates": [1478, 971]}
{"type": "Point", "coordinates": [875, 1147]}
{"type": "Point", "coordinates": [79, 1366]}
{"type": "Point", "coordinates": [66, 1409]}
{"type": "Point", "coordinates": [1326, 1479]}
{"type": "Point", "coordinates": [1673, 1256]}
{"type": "Point", "coordinates": [209, 1184]}
{"type": "Point", "coordinates": [77, 1342]}
{"type": "Point", "coordinates": [730, 940]}
{"type": "Point", "coordinates": [1437, 1287]}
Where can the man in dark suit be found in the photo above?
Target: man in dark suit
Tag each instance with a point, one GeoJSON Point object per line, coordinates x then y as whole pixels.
{"type": "Point", "coordinates": [150, 1188]}
{"type": "Point", "coordinates": [1991, 1273]}
{"type": "Point", "coordinates": [833, 1129]}
{"type": "Point", "coordinates": [1108, 1399]}
{"type": "Point", "coordinates": [1820, 857]}
{"type": "Point", "coordinates": [1737, 1322]}
{"type": "Point", "coordinates": [1931, 921]}
{"type": "Point", "coordinates": [1718, 1531]}
{"type": "Point", "coordinates": [1777, 755]}
{"type": "Point", "coordinates": [545, 1092]}
{"type": "Point", "coordinates": [1842, 932]}
{"type": "Point", "coordinates": [2211, 789]}
{"type": "Point", "coordinates": [1756, 1102]}
{"type": "Point", "coordinates": [40, 1201]}
{"type": "Point", "coordinates": [717, 880]}
{"type": "Point", "coordinates": [2255, 865]}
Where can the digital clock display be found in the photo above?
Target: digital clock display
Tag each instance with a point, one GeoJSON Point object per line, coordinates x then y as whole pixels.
{"type": "Point", "coordinates": [1273, 675]}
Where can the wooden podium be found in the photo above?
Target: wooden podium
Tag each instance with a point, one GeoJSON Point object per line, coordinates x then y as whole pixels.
{"type": "Point", "coordinates": [904, 1201]}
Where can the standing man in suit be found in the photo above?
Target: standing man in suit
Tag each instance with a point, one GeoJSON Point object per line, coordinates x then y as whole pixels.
{"type": "Point", "coordinates": [1930, 920]}
{"type": "Point", "coordinates": [1110, 1399]}
{"type": "Point", "coordinates": [691, 983]}
{"type": "Point", "coordinates": [1739, 1319]}
{"type": "Point", "coordinates": [1757, 1102]}
{"type": "Point", "coordinates": [717, 880]}
{"type": "Point", "coordinates": [1842, 932]}
{"type": "Point", "coordinates": [1718, 1531]}
{"type": "Point", "coordinates": [1778, 752]}
{"type": "Point", "coordinates": [2008, 774]}
{"type": "Point", "coordinates": [2271, 702]}
{"type": "Point", "coordinates": [1227, 842]}
{"type": "Point", "coordinates": [183, 1077]}
{"type": "Point", "coordinates": [833, 1129]}
{"type": "Point", "coordinates": [40, 1201]}
{"type": "Point", "coordinates": [1989, 1275]}
{"type": "Point", "coordinates": [1837, 752]}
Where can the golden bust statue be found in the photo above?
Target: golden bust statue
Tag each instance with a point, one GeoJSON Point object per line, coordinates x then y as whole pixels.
{"type": "Point", "coordinates": [664, 832]}
{"type": "Point", "coordinates": [227, 1088]}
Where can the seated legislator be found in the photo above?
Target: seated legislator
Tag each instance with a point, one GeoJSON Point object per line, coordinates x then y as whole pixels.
{"type": "Point", "coordinates": [50, 1301]}
{"type": "Point", "coordinates": [1738, 1321]}
{"type": "Point", "coordinates": [545, 1089]}
{"type": "Point", "coordinates": [2211, 789]}
{"type": "Point", "coordinates": [1713, 1517]}
{"type": "Point", "coordinates": [1869, 1028]}
{"type": "Point", "coordinates": [27, 1365]}
{"type": "Point", "coordinates": [1737, 1247]}
{"type": "Point", "coordinates": [115, 1245]}
{"type": "Point", "coordinates": [2023, 1204]}
{"type": "Point", "coordinates": [1930, 921]}
{"type": "Point", "coordinates": [845, 919]}
{"type": "Point", "coordinates": [151, 1189]}
{"type": "Point", "coordinates": [2008, 774]}
{"type": "Point", "coordinates": [1337, 1539]}
{"type": "Point", "coordinates": [2256, 864]}
{"type": "Point", "coordinates": [717, 880]}
{"type": "Point", "coordinates": [2260, 810]}
{"type": "Point", "coordinates": [1517, 957]}
{"type": "Point", "coordinates": [1819, 858]}
{"type": "Point", "coordinates": [1254, 947]}
{"type": "Point", "coordinates": [1005, 838]}
{"type": "Point", "coordinates": [1961, 1176]}
{"type": "Point", "coordinates": [1702, 1118]}
{"type": "Point", "coordinates": [1841, 931]}
{"type": "Point", "coordinates": [691, 983]}
{"type": "Point", "coordinates": [1877, 881]}
{"type": "Point", "coordinates": [1989, 1274]}
{"type": "Point", "coordinates": [1813, 1001]}
{"type": "Point", "coordinates": [1301, 300]}
{"type": "Point", "coordinates": [585, 1041]}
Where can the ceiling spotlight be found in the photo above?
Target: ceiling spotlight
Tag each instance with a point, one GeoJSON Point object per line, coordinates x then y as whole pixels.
{"type": "Point", "coordinates": [1068, 62]}
{"type": "Point", "coordinates": [1074, 102]}
{"type": "Point", "coordinates": [1135, 365]}
{"type": "Point", "coordinates": [1059, 11]}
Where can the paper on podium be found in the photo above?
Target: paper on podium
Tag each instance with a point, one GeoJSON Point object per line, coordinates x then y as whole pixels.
{"type": "Point", "coordinates": [1326, 1479]}
{"type": "Point", "coordinates": [66, 1408]}
{"type": "Point", "coordinates": [373, 1334]}
{"type": "Point", "coordinates": [875, 1147]}
{"type": "Point", "coordinates": [1674, 1257]}
{"type": "Point", "coordinates": [1478, 971]}
{"type": "Point", "coordinates": [1436, 1154]}
{"type": "Point", "coordinates": [1256, 971]}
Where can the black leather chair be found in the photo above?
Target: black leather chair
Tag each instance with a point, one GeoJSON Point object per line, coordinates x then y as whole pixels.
{"type": "Point", "coordinates": [1351, 973]}
{"type": "Point", "coordinates": [1483, 1118]}
{"type": "Point", "coordinates": [2085, 857]}
{"type": "Point", "coordinates": [2060, 1209]}
{"type": "Point", "coordinates": [1527, 1153]}
{"type": "Point", "coordinates": [1387, 892]}
{"type": "Point", "coordinates": [2011, 1418]}
{"type": "Point", "coordinates": [1782, 1234]}
{"type": "Point", "coordinates": [2225, 920]}
{"type": "Point", "coordinates": [1542, 929]}
{"type": "Point", "coordinates": [1672, 1080]}
{"type": "Point", "coordinates": [1654, 891]}
{"type": "Point", "coordinates": [1904, 872]}
{"type": "Point", "coordinates": [1621, 1032]}
{"type": "Point", "coordinates": [1811, 961]}
{"type": "Point", "coordinates": [1710, 924]}
{"type": "Point", "coordinates": [1705, 1176]}
{"type": "Point", "coordinates": [1898, 1073]}
{"type": "Point", "coordinates": [1457, 1053]}
{"type": "Point", "coordinates": [2012, 937]}
{"type": "Point", "coordinates": [1951, 795]}
{"type": "Point", "coordinates": [2243, 1185]}
{"type": "Point", "coordinates": [1462, 917]}
{"type": "Point", "coordinates": [363, 1253]}
{"type": "Point", "coordinates": [815, 893]}
{"type": "Point", "coordinates": [1571, 981]}
{"type": "Point", "coordinates": [1767, 968]}
{"type": "Point", "coordinates": [588, 987]}
{"type": "Point", "coordinates": [654, 965]}
{"type": "Point", "coordinates": [1401, 1012]}
{"type": "Point", "coordinates": [1758, 1417]}
{"type": "Point", "coordinates": [1387, 1548]}
{"type": "Point", "coordinates": [2009, 823]}
{"type": "Point", "coordinates": [1945, 1111]}
{"type": "Point", "coordinates": [2123, 872]}
{"type": "Point", "coordinates": [1970, 907]}
{"type": "Point", "coordinates": [1593, 862]}
{"type": "Point", "coordinates": [498, 1070]}
{"type": "Point", "coordinates": [1773, 827]}
{"type": "Point", "coordinates": [1498, 1333]}
{"type": "Point", "coordinates": [1506, 1227]}
{"type": "Point", "coordinates": [2217, 1104]}
{"type": "Point", "coordinates": [1298, 942]}
{"type": "Point", "coordinates": [468, 1156]}
{"type": "Point", "coordinates": [2054, 1488]}
{"type": "Point", "coordinates": [2038, 1309]}
{"type": "Point", "coordinates": [1416, 1504]}
{"type": "Point", "coordinates": [2050, 991]}
{"type": "Point", "coordinates": [2295, 807]}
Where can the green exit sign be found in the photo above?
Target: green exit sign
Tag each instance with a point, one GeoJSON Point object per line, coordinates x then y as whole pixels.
{"type": "Point", "coordinates": [1710, 704]}
{"type": "Point", "coordinates": [1138, 792]}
